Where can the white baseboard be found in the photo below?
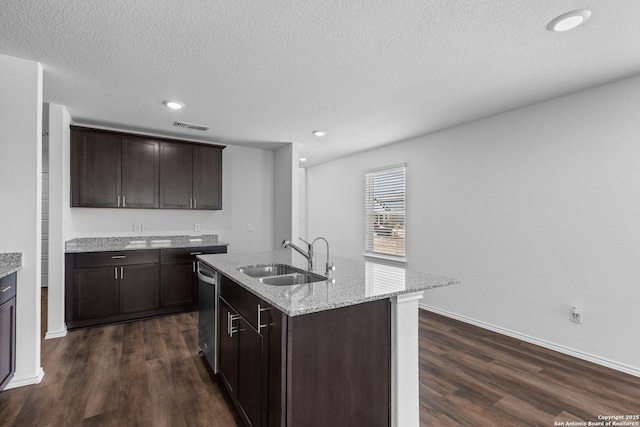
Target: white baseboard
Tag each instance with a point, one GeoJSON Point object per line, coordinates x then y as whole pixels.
{"type": "Point", "coordinates": [55, 334]}
{"type": "Point", "coordinates": [21, 382]}
{"type": "Point", "coordinates": [532, 340]}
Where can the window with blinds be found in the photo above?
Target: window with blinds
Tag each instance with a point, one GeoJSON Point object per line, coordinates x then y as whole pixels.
{"type": "Point", "coordinates": [385, 211]}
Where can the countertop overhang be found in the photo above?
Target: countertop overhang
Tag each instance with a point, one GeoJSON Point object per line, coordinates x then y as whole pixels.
{"type": "Point", "coordinates": [353, 282]}
{"type": "Point", "coordinates": [10, 263]}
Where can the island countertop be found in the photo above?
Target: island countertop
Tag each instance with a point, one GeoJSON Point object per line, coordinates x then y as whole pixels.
{"type": "Point", "coordinates": [10, 263]}
{"type": "Point", "coordinates": [100, 244]}
{"type": "Point", "coordinates": [353, 282]}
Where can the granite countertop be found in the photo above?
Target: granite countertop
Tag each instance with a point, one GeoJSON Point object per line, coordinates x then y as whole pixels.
{"type": "Point", "coordinates": [353, 282]}
{"type": "Point", "coordinates": [100, 244]}
{"type": "Point", "coordinates": [10, 263]}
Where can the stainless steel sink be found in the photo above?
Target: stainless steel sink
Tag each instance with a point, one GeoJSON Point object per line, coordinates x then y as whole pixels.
{"type": "Point", "coordinates": [269, 270]}
{"type": "Point", "coordinates": [293, 279]}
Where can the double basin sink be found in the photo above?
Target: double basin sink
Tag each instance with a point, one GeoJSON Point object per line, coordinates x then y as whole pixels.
{"type": "Point", "coordinates": [281, 274]}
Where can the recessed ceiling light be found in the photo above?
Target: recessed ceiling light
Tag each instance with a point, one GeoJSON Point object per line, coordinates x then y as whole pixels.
{"type": "Point", "coordinates": [303, 159]}
{"type": "Point", "coordinates": [569, 20]}
{"type": "Point", "coordinates": [174, 105]}
{"type": "Point", "coordinates": [320, 132]}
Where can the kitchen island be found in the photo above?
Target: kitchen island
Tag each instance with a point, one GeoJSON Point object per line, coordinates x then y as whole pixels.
{"type": "Point", "coordinates": [342, 351]}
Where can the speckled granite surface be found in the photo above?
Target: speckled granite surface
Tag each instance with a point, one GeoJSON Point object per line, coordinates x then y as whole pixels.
{"type": "Point", "coordinates": [99, 244]}
{"type": "Point", "coordinates": [354, 282]}
{"type": "Point", "coordinates": [9, 263]}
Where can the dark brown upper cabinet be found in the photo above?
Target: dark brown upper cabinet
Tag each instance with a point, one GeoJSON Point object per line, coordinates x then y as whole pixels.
{"type": "Point", "coordinates": [190, 176]}
{"type": "Point", "coordinates": [119, 170]}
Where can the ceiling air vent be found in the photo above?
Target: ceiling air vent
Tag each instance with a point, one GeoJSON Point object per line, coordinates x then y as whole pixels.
{"type": "Point", "coordinates": [191, 126]}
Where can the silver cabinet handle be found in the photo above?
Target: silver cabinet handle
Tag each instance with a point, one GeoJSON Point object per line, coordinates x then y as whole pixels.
{"type": "Point", "coordinates": [118, 256]}
{"type": "Point", "coordinates": [195, 203]}
{"type": "Point", "coordinates": [190, 203]}
{"type": "Point", "coordinates": [260, 310]}
{"type": "Point", "coordinates": [118, 201]}
{"type": "Point", "coordinates": [5, 289]}
{"type": "Point", "coordinates": [121, 273]}
{"type": "Point", "coordinates": [115, 272]}
{"type": "Point", "coordinates": [232, 318]}
{"type": "Point", "coordinates": [124, 204]}
{"type": "Point", "coordinates": [194, 266]}
{"type": "Point", "coordinates": [195, 253]}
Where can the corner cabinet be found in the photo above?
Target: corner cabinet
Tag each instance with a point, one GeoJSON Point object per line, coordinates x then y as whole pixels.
{"type": "Point", "coordinates": [326, 368]}
{"type": "Point", "coordinates": [7, 329]}
{"type": "Point", "coordinates": [119, 170]}
{"type": "Point", "coordinates": [114, 286]}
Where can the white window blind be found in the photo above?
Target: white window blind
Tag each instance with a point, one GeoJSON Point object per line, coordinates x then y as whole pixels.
{"type": "Point", "coordinates": [385, 211]}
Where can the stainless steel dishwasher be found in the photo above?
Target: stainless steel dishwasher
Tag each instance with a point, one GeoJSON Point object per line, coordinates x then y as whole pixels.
{"type": "Point", "coordinates": [208, 313]}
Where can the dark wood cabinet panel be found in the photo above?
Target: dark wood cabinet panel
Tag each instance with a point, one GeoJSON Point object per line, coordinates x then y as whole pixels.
{"type": "Point", "coordinates": [175, 176]}
{"type": "Point", "coordinates": [177, 284]}
{"type": "Point", "coordinates": [251, 374]}
{"type": "Point", "coordinates": [227, 347]}
{"type": "Point", "coordinates": [96, 169]}
{"type": "Point", "coordinates": [337, 356]}
{"type": "Point", "coordinates": [139, 288]}
{"type": "Point", "coordinates": [7, 329]}
{"type": "Point", "coordinates": [95, 293]}
{"type": "Point", "coordinates": [140, 173]}
{"type": "Point", "coordinates": [207, 177]}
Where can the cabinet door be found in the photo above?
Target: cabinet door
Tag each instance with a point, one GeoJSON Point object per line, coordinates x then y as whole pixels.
{"type": "Point", "coordinates": [139, 288]}
{"type": "Point", "coordinates": [95, 293]}
{"type": "Point", "coordinates": [7, 341]}
{"type": "Point", "coordinates": [140, 173]}
{"type": "Point", "coordinates": [251, 371]}
{"type": "Point", "coordinates": [227, 347]}
{"type": "Point", "coordinates": [207, 177]}
{"type": "Point", "coordinates": [177, 284]}
{"type": "Point", "coordinates": [175, 175]}
{"type": "Point", "coordinates": [96, 167]}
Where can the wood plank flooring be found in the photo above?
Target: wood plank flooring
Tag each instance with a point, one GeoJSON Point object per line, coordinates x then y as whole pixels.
{"type": "Point", "coordinates": [149, 373]}
{"type": "Point", "coordinates": [473, 377]}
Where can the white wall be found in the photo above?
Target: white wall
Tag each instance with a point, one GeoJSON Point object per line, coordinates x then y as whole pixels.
{"type": "Point", "coordinates": [286, 195]}
{"type": "Point", "coordinates": [21, 195]}
{"type": "Point", "coordinates": [247, 198]}
{"type": "Point", "coordinates": [59, 215]}
{"type": "Point", "coordinates": [533, 210]}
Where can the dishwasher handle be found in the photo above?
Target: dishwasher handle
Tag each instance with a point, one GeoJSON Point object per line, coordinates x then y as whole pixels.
{"type": "Point", "coordinates": [206, 278]}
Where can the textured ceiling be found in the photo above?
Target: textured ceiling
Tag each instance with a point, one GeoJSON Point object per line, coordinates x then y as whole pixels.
{"type": "Point", "coordinates": [264, 72]}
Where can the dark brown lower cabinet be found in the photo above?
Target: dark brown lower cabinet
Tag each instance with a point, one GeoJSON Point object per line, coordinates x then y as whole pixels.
{"type": "Point", "coordinates": [106, 287]}
{"type": "Point", "coordinates": [7, 329]}
{"type": "Point", "coordinates": [327, 368]}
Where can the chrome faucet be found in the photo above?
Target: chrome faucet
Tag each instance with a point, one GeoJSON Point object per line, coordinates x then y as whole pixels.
{"type": "Point", "coordinates": [309, 253]}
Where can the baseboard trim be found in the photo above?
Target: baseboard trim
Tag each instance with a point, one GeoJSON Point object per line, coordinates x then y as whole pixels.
{"type": "Point", "coordinates": [542, 343]}
{"type": "Point", "coordinates": [24, 381]}
{"type": "Point", "coordinates": [55, 334]}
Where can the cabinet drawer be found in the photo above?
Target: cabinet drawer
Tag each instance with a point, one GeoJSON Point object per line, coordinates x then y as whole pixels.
{"type": "Point", "coordinates": [115, 258]}
{"type": "Point", "coordinates": [188, 254]}
{"type": "Point", "coordinates": [8, 283]}
{"type": "Point", "coordinates": [243, 301]}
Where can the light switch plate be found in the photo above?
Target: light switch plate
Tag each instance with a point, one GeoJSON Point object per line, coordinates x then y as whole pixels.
{"type": "Point", "coordinates": [137, 228]}
{"type": "Point", "coordinates": [196, 227]}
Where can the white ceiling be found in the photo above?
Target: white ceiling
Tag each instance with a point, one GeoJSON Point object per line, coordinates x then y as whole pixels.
{"type": "Point", "coordinates": [262, 72]}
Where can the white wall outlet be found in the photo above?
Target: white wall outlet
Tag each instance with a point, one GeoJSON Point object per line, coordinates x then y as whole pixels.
{"type": "Point", "coordinates": [249, 227]}
{"type": "Point", "coordinates": [196, 227]}
{"type": "Point", "coordinates": [145, 228]}
{"type": "Point", "coordinates": [137, 228]}
{"type": "Point", "coordinates": [576, 314]}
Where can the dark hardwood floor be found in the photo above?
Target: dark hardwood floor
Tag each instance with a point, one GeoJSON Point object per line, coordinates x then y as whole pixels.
{"type": "Point", "coordinates": [473, 377]}
{"type": "Point", "coordinates": [149, 373]}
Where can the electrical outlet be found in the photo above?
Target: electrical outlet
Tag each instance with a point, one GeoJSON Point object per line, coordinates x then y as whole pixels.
{"type": "Point", "coordinates": [249, 227]}
{"type": "Point", "coordinates": [137, 228]}
{"type": "Point", "coordinates": [576, 314]}
{"type": "Point", "coordinates": [145, 228]}
{"type": "Point", "coordinates": [196, 227]}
